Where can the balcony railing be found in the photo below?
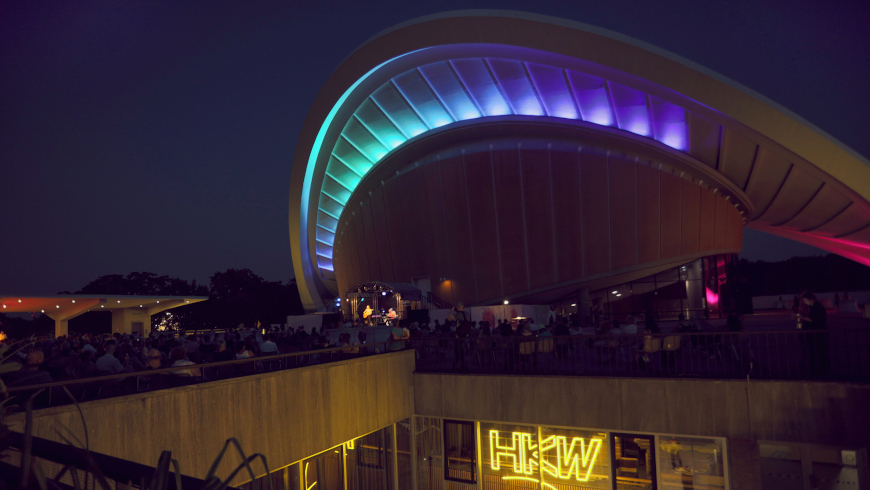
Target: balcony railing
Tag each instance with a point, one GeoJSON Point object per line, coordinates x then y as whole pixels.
{"type": "Point", "coordinates": [63, 392]}
{"type": "Point", "coordinates": [803, 354]}
{"type": "Point", "coordinates": [840, 355]}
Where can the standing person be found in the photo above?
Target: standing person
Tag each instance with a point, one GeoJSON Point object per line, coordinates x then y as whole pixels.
{"type": "Point", "coordinates": [398, 334]}
{"type": "Point", "coordinates": [815, 343]}
{"type": "Point", "coordinates": [459, 314]}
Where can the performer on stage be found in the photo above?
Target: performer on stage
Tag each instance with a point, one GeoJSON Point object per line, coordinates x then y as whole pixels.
{"type": "Point", "coordinates": [391, 315]}
{"type": "Point", "coordinates": [367, 315]}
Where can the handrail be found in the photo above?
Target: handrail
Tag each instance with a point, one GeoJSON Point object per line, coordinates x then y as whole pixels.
{"type": "Point", "coordinates": [170, 370]}
{"type": "Point", "coordinates": [828, 354]}
{"type": "Point", "coordinates": [437, 301]}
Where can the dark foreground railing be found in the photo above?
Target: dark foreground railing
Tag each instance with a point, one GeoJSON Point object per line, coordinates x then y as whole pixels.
{"type": "Point", "coordinates": [64, 392]}
{"type": "Point", "coordinates": [70, 467]}
{"type": "Point", "coordinates": [801, 354]}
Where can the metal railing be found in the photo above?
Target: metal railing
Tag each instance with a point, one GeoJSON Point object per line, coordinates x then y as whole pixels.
{"type": "Point", "coordinates": [803, 355]}
{"type": "Point", "coordinates": [72, 467]}
{"type": "Point", "coordinates": [437, 302]}
{"type": "Point", "coordinates": [149, 380]}
{"type": "Point", "coordinates": [842, 355]}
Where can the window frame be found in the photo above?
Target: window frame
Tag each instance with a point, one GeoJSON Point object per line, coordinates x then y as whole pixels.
{"type": "Point", "coordinates": [446, 458]}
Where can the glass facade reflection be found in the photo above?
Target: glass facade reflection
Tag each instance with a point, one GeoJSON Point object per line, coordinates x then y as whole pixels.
{"type": "Point", "coordinates": [500, 456]}
{"type": "Point", "coordinates": [691, 462]}
{"type": "Point", "coordinates": [699, 288]}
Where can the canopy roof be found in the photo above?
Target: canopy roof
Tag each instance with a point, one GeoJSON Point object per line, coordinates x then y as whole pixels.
{"type": "Point", "coordinates": [68, 305]}
{"type": "Point", "coordinates": [440, 74]}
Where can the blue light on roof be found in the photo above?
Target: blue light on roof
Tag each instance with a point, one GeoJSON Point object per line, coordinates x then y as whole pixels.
{"type": "Point", "coordinates": [441, 93]}
{"type": "Point", "coordinates": [517, 87]}
{"type": "Point", "coordinates": [555, 94]}
{"type": "Point", "coordinates": [450, 91]}
{"type": "Point", "coordinates": [475, 75]}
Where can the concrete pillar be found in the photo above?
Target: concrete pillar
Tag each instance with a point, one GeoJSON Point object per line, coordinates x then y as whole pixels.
{"type": "Point", "coordinates": [119, 321]}
{"type": "Point", "coordinates": [583, 305]}
{"type": "Point", "coordinates": [61, 327]}
{"type": "Point", "coordinates": [745, 464]}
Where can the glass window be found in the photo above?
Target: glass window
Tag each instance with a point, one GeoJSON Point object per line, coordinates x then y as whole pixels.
{"type": "Point", "coordinates": [574, 459]}
{"type": "Point", "coordinates": [324, 471]}
{"type": "Point", "coordinates": [403, 453]}
{"type": "Point", "coordinates": [634, 461]}
{"type": "Point", "coordinates": [689, 462]}
{"type": "Point", "coordinates": [368, 461]}
{"type": "Point", "coordinates": [460, 449]}
{"type": "Point", "coordinates": [427, 440]}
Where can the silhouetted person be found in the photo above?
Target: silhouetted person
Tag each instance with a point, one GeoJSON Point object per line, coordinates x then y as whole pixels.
{"type": "Point", "coordinates": [816, 342]}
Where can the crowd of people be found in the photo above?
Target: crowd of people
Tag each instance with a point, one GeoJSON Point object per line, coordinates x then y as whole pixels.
{"type": "Point", "coordinates": [80, 356]}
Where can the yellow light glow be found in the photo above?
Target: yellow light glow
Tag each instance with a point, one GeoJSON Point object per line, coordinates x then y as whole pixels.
{"type": "Point", "coordinates": [568, 459]}
{"type": "Point", "coordinates": [522, 453]}
{"type": "Point", "coordinates": [349, 444]}
{"type": "Point", "coordinates": [572, 460]}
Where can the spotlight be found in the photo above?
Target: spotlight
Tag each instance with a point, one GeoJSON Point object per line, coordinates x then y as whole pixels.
{"type": "Point", "coordinates": [506, 301]}
{"type": "Point", "coordinates": [384, 293]}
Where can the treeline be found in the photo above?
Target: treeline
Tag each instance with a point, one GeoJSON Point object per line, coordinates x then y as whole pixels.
{"type": "Point", "coordinates": [816, 274]}
{"type": "Point", "coordinates": [235, 296]}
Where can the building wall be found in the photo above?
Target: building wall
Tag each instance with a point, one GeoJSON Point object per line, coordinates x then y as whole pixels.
{"type": "Point", "coordinates": [123, 319]}
{"type": "Point", "coordinates": [504, 222]}
{"type": "Point", "coordinates": [794, 411]}
{"type": "Point", "coordinates": [285, 415]}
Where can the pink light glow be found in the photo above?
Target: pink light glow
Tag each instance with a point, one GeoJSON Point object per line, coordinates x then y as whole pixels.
{"type": "Point", "coordinates": [712, 298]}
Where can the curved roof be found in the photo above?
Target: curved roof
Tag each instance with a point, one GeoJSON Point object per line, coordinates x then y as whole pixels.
{"type": "Point", "coordinates": [436, 72]}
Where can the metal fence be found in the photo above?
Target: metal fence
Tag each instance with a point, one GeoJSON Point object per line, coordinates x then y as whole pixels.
{"type": "Point", "coordinates": [842, 355]}
{"type": "Point", "coordinates": [52, 394]}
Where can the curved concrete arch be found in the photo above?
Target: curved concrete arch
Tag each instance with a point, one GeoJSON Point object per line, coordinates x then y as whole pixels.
{"type": "Point", "coordinates": [800, 182]}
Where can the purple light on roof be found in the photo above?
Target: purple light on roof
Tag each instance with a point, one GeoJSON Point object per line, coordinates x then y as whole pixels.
{"type": "Point", "coordinates": [669, 123]}
{"type": "Point", "coordinates": [555, 93]}
{"type": "Point", "coordinates": [630, 108]}
{"type": "Point", "coordinates": [324, 263]}
{"type": "Point", "coordinates": [591, 98]}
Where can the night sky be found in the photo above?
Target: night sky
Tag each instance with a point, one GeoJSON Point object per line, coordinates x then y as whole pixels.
{"type": "Point", "coordinates": [143, 137]}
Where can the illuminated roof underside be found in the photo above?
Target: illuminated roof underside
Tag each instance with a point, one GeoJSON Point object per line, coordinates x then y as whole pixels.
{"type": "Point", "coordinates": [438, 94]}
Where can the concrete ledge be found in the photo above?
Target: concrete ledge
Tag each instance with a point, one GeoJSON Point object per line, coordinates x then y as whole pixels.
{"type": "Point", "coordinates": [285, 415]}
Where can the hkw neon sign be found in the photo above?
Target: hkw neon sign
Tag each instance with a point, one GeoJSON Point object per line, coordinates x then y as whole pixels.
{"type": "Point", "coordinates": [556, 456]}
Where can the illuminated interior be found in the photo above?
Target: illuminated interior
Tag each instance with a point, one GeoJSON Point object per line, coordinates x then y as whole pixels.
{"type": "Point", "coordinates": [439, 94]}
